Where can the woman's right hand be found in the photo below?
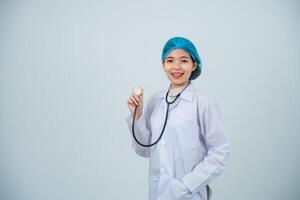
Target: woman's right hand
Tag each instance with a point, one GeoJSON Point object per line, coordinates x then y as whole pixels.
{"type": "Point", "coordinates": [132, 102]}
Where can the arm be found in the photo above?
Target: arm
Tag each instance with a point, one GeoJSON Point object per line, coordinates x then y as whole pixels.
{"type": "Point", "coordinates": [142, 131]}
{"type": "Point", "coordinates": [217, 144]}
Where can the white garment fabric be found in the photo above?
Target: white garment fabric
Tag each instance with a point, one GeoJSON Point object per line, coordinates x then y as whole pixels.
{"type": "Point", "coordinates": [193, 150]}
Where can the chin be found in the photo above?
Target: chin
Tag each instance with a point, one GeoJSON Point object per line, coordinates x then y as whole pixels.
{"type": "Point", "coordinates": [176, 82]}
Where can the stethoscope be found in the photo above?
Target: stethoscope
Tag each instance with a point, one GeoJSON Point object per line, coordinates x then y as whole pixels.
{"type": "Point", "coordinates": [138, 91]}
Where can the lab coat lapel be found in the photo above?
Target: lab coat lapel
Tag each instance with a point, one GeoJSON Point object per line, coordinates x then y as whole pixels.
{"type": "Point", "coordinates": [187, 94]}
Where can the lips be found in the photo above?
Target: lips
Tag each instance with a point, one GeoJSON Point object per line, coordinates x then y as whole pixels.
{"type": "Point", "coordinates": [177, 75]}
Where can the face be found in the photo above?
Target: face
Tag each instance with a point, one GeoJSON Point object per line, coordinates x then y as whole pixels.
{"type": "Point", "coordinates": [179, 66]}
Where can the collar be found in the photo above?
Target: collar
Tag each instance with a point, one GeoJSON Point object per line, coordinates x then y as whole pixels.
{"type": "Point", "coordinates": [187, 94]}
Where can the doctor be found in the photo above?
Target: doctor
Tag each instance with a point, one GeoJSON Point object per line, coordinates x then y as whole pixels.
{"type": "Point", "coordinates": [194, 148]}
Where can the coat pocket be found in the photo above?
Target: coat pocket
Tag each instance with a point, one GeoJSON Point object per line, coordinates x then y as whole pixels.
{"type": "Point", "coordinates": [187, 131]}
{"type": "Point", "coordinates": [186, 117]}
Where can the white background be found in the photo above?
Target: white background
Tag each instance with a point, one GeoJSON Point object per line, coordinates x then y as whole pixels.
{"type": "Point", "coordinates": [68, 68]}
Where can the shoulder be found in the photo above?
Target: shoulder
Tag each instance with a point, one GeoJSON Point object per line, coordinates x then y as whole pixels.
{"type": "Point", "coordinates": [202, 96]}
{"type": "Point", "coordinates": [154, 97]}
{"type": "Point", "coordinates": [204, 99]}
{"type": "Point", "coordinates": [157, 95]}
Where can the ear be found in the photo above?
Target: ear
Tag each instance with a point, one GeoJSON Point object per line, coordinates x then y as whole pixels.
{"type": "Point", "coordinates": [163, 65]}
{"type": "Point", "coordinates": [195, 66]}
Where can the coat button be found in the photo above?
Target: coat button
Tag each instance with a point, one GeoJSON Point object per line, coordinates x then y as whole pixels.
{"type": "Point", "coordinates": [162, 170]}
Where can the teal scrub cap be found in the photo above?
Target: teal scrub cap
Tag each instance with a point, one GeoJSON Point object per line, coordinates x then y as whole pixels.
{"type": "Point", "coordinates": [186, 45]}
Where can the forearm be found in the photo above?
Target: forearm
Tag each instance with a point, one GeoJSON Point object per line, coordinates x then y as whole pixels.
{"type": "Point", "coordinates": [142, 133]}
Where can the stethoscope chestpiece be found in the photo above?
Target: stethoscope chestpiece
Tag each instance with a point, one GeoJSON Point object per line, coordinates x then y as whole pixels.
{"type": "Point", "coordinates": [137, 90]}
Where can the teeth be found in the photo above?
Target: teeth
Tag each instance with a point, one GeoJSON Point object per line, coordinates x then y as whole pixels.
{"type": "Point", "coordinates": [177, 74]}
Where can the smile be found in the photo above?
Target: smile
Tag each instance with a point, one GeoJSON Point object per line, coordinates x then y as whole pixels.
{"type": "Point", "coordinates": [177, 75]}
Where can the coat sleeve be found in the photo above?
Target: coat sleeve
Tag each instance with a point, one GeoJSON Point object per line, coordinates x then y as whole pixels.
{"type": "Point", "coordinates": [142, 131]}
{"type": "Point", "coordinates": [217, 144]}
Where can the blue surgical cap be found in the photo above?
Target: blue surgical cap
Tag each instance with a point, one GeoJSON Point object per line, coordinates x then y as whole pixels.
{"type": "Point", "coordinates": [187, 46]}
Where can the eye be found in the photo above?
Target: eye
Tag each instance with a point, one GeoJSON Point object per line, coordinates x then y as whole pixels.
{"type": "Point", "coordinates": [185, 61]}
{"type": "Point", "coordinates": [169, 61]}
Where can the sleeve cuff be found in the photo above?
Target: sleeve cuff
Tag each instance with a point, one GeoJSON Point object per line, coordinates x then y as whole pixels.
{"type": "Point", "coordinates": [190, 181]}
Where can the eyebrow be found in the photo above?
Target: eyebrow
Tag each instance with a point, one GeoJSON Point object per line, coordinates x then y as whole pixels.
{"type": "Point", "coordinates": [174, 57]}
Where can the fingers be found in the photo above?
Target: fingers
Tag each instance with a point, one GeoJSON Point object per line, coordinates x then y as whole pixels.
{"type": "Point", "coordinates": [135, 99]}
{"type": "Point", "coordinates": [139, 98]}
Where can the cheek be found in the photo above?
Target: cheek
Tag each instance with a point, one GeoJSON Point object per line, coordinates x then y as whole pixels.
{"type": "Point", "coordinates": [164, 66]}
{"type": "Point", "coordinates": [188, 69]}
{"type": "Point", "coordinates": [166, 69]}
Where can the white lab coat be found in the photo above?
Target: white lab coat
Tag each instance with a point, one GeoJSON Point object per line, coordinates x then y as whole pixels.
{"type": "Point", "coordinates": [193, 150]}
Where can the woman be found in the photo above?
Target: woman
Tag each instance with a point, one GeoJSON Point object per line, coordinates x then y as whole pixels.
{"type": "Point", "coordinates": [194, 148]}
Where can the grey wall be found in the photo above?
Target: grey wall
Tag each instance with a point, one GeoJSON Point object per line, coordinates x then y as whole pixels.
{"type": "Point", "coordinates": [68, 67]}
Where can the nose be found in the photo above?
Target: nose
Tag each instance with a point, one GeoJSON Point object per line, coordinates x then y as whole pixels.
{"type": "Point", "coordinates": [177, 63]}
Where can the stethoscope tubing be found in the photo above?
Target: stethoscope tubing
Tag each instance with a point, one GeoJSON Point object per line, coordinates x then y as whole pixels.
{"type": "Point", "coordinates": [165, 123]}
